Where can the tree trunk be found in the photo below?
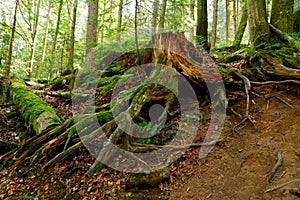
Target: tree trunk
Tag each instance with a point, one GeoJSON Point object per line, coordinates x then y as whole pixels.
{"type": "Point", "coordinates": [53, 51]}
{"type": "Point", "coordinates": [155, 15]}
{"type": "Point", "coordinates": [227, 21]}
{"type": "Point", "coordinates": [192, 12]}
{"type": "Point", "coordinates": [282, 16]}
{"type": "Point", "coordinates": [36, 113]}
{"type": "Point", "coordinates": [45, 41]}
{"type": "Point", "coordinates": [92, 26]}
{"type": "Point", "coordinates": [120, 15]}
{"type": "Point", "coordinates": [162, 14]}
{"type": "Point", "coordinates": [103, 21]}
{"type": "Point", "coordinates": [259, 27]}
{"type": "Point", "coordinates": [201, 31]}
{"type": "Point", "coordinates": [234, 17]}
{"type": "Point", "coordinates": [9, 57]}
{"type": "Point", "coordinates": [34, 35]}
{"type": "Point", "coordinates": [242, 26]}
{"type": "Point", "coordinates": [215, 22]}
{"type": "Point", "coordinates": [70, 65]}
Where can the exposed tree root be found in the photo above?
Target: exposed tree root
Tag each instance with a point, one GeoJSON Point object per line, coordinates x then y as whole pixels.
{"type": "Point", "coordinates": [247, 88]}
{"type": "Point", "coordinates": [166, 49]}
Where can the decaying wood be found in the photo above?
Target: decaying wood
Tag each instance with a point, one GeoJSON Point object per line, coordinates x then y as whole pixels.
{"type": "Point", "coordinates": [37, 114]}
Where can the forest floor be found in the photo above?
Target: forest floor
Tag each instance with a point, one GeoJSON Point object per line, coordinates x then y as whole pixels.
{"type": "Point", "coordinates": [237, 168]}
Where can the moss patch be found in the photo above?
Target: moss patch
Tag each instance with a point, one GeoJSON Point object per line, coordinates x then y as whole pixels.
{"type": "Point", "coordinates": [37, 114]}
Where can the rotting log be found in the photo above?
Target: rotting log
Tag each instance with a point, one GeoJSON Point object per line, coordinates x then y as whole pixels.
{"type": "Point", "coordinates": [37, 114]}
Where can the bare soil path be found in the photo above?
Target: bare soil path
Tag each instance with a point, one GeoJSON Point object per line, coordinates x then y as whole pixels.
{"type": "Point", "coordinates": [239, 168]}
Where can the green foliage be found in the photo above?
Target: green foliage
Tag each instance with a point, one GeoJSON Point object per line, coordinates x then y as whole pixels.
{"type": "Point", "coordinates": [157, 136]}
{"type": "Point", "coordinates": [108, 80]}
{"type": "Point", "coordinates": [106, 89]}
{"type": "Point", "coordinates": [26, 196]}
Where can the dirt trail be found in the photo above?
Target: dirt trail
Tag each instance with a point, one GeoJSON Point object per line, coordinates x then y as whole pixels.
{"type": "Point", "coordinates": [240, 166]}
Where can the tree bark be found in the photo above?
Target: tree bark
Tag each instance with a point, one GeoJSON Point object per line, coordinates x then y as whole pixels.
{"type": "Point", "coordinates": [70, 65]}
{"type": "Point", "coordinates": [155, 15]}
{"type": "Point", "coordinates": [192, 13]}
{"type": "Point", "coordinates": [227, 21]}
{"type": "Point", "coordinates": [45, 41]}
{"type": "Point", "coordinates": [162, 14]}
{"type": "Point", "coordinates": [234, 17]}
{"type": "Point", "coordinates": [34, 36]}
{"type": "Point", "coordinates": [282, 16]}
{"type": "Point", "coordinates": [259, 27]}
{"type": "Point", "coordinates": [9, 57]}
{"type": "Point", "coordinates": [202, 24]}
{"type": "Point", "coordinates": [92, 26]}
{"type": "Point", "coordinates": [53, 51]}
{"type": "Point", "coordinates": [120, 15]}
{"type": "Point", "coordinates": [215, 22]}
{"type": "Point", "coordinates": [242, 26]}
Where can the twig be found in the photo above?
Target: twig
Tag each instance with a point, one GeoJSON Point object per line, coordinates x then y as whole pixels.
{"type": "Point", "coordinates": [282, 100]}
{"type": "Point", "coordinates": [281, 185]}
{"type": "Point", "coordinates": [276, 166]}
{"type": "Point", "coordinates": [274, 82]}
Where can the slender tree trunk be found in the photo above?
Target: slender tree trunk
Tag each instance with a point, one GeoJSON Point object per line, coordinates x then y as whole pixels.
{"type": "Point", "coordinates": [136, 31]}
{"type": "Point", "coordinates": [201, 31]}
{"type": "Point", "coordinates": [45, 41]}
{"type": "Point", "coordinates": [92, 26]}
{"type": "Point", "coordinates": [103, 22]}
{"type": "Point", "coordinates": [162, 14]}
{"type": "Point", "coordinates": [215, 22]}
{"type": "Point", "coordinates": [155, 15]}
{"type": "Point", "coordinates": [192, 12]}
{"type": "Point", "coordinates": [282, 16]}
{"type": "Point", "coordinates": [111, 14]}
{"type": "Point", "coordinates": [259, 27]}
{"type": "Point", "coordinates": [55, 40]}
{"type": "Point", "coordinates": [242, 26]}
{"type": "Point", "coordinates": [34, 36]}
{"type": "Point", "coordinates": [227, 21]}
{"type": "Point", "coordinates": [120, 16]}
{"type": "Point", "coordinates": [70, 65]}
{"type": "Point", "coordinates": [9, 56]}
{"type": "Point", "coordinates": [237, 10]}
{"type": "Point", "coordinates": [234, 17]}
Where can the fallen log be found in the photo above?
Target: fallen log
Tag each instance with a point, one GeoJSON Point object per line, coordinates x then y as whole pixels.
{"type": "Point", "coordinates": [38, 116]}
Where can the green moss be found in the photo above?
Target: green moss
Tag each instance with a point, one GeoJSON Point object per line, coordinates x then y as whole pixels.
{"type": "Point", "coordinates": [34, 111]}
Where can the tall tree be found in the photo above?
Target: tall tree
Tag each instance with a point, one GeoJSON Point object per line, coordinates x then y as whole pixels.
{"type": "Point", "coordinates": [227, 20]}
{"type": "Point", "coordinates": [242, 26]}
{"type": "Point", "coordinates": [44, 48]}
{"type": "Point", "coordinates": [53, 50]}
{"type": "Point", "coordinates": [72, 38]}
{"type": "Point", "coordinates": [9, 57]}
{"type": "Point", "coordinates": [92, 26]}
{"type": "Point", "coordinates": [162, 14]}
{"type": "Point", "coordinates": [192, 13]}
{"type": "Point", "coordinates": [234, 16]}
{"type": "Point", "coordinates": [120, 15]}
{"type": "Point", "coordinates": [34, 35]}
{"type": "Point", "coordinates": [155, 15]}
{"type": "Point", "coordinates": [202, 24]}
{"type": "Point", "coordinates": [282, 16]}
{"type": "Point", "coordinates": [259, 27]}
{"type": "Point", "coordinates": [215, 22]}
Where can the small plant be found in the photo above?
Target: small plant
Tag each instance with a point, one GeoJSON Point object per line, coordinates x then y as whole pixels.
{"type": "Point", "coordinates": [25, 196]}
